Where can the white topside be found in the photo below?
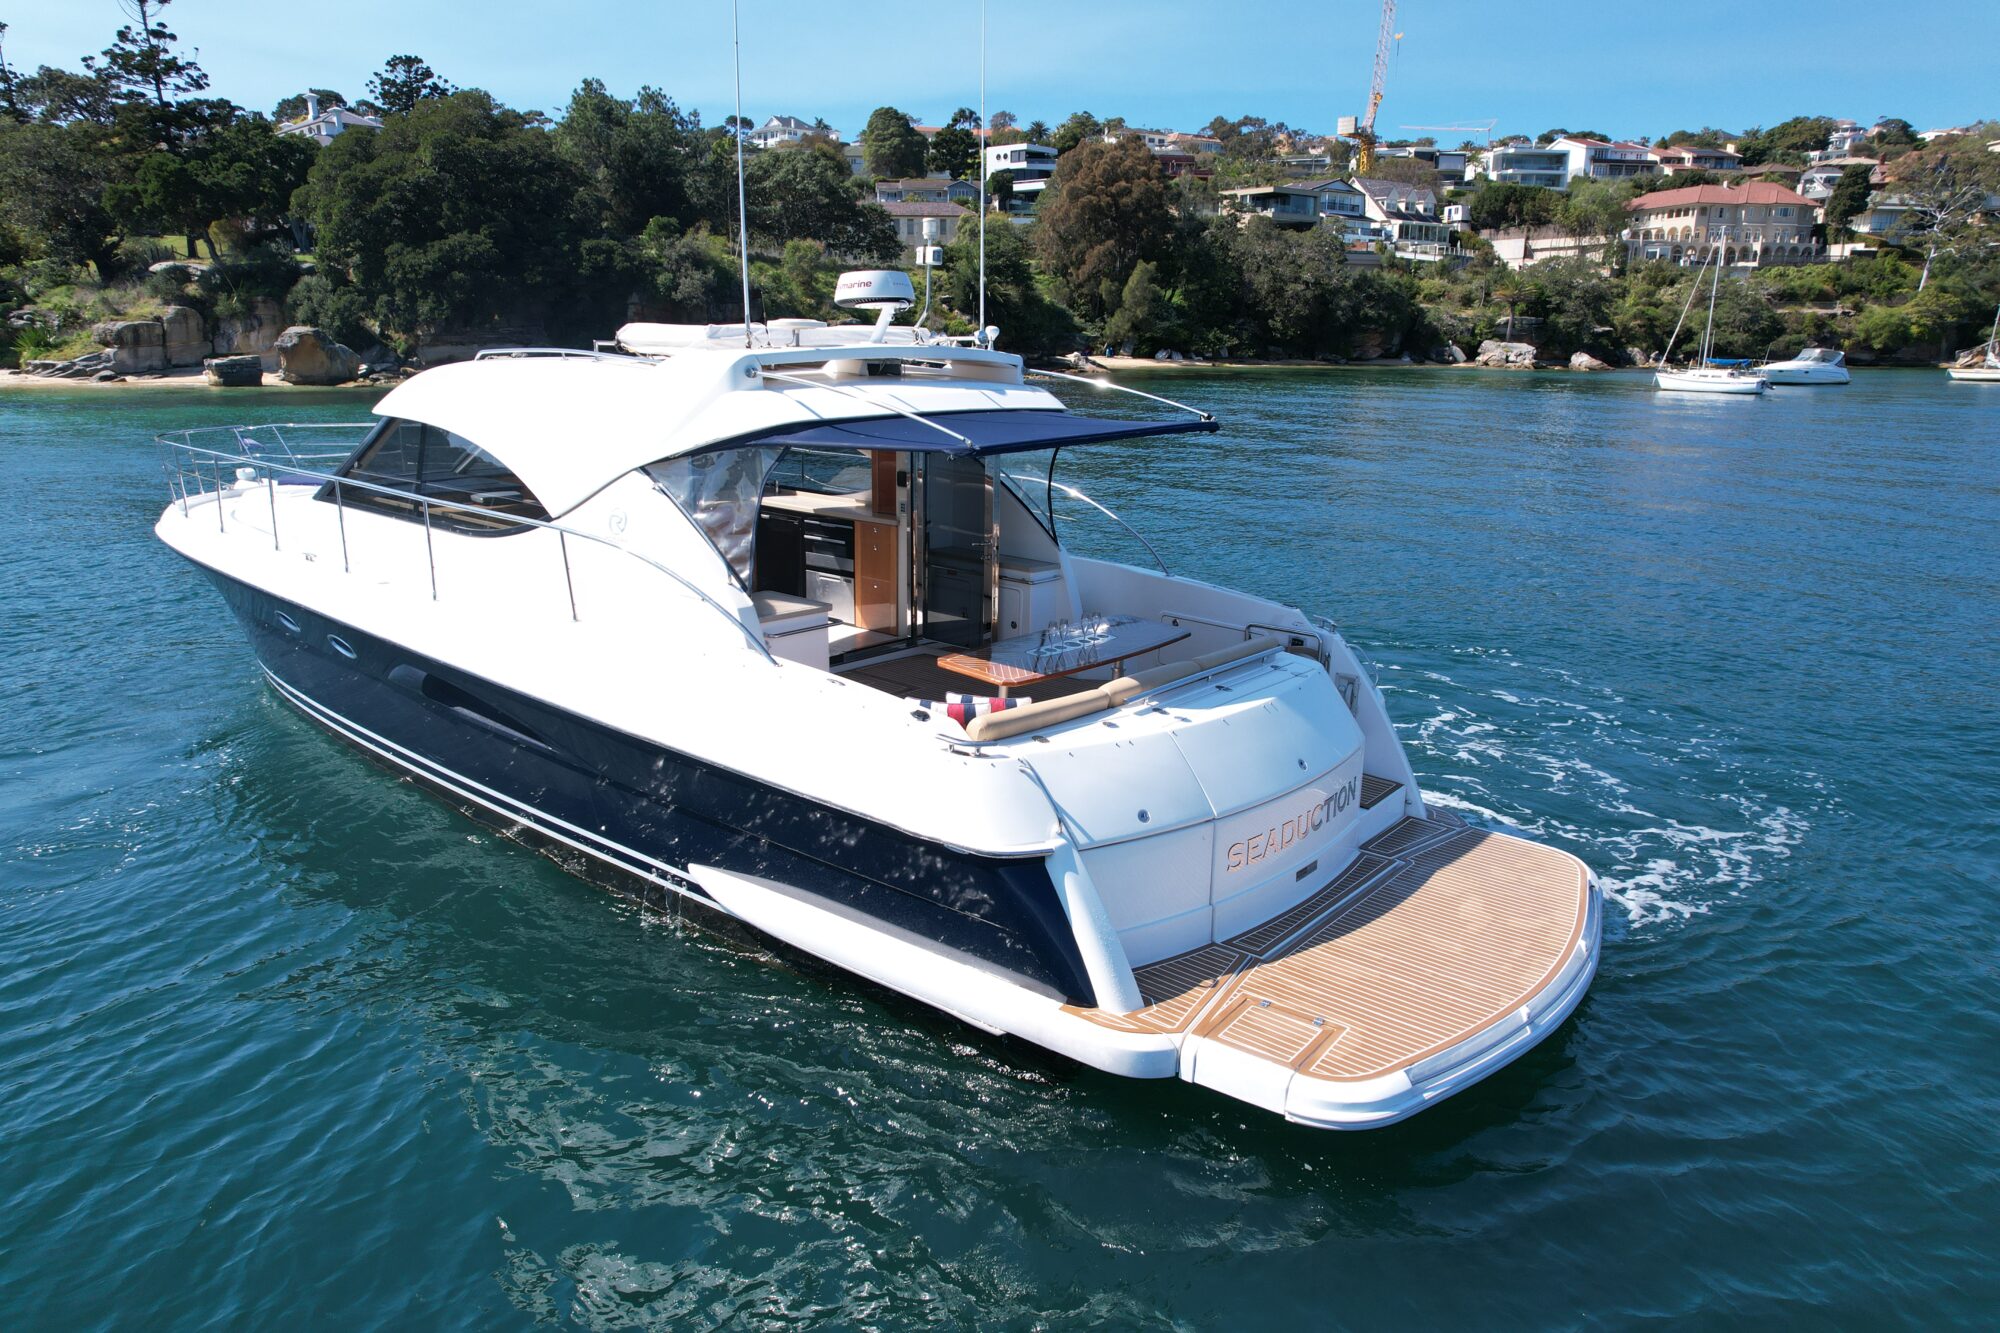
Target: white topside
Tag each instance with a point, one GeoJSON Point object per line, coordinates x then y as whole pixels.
{"type": "Point", "coordinates": [569, 426]}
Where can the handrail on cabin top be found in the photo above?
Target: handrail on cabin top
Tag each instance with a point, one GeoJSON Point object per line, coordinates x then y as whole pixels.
{"type": "Point", "coordinates": [218, 458]}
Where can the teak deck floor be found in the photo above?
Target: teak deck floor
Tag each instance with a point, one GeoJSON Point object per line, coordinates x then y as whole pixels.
{"type": "Point", "coordinates": [1434, 933]}
{"type": "Point", "coordinates": [918, 676]}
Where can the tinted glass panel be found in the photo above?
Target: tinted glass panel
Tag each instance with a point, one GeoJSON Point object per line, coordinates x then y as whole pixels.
{"type": "Point", "coordinates": [424, 460]}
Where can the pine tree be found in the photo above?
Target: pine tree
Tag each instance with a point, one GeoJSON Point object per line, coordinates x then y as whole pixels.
{"type": "Point", "coordinates": [141, 62]}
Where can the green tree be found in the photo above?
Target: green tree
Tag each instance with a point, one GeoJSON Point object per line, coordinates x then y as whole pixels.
{"type": "Point", "coordinates": [806, 197]}
{"type": "Point", "coordinates": [1502, 204]}
{"type": "Point", "coordinates": [403, 82]}
{"type": "Point", "coordinates": [456, 214]}
{"type": "Point", "coordinates": [954, 151]}
{"type": "Point", "coordinates": [642, 159]}
{"type": "Point", "coordinates": [1787, 143]}
{"type": "Point", "coordinates": [1144, 317]}
{"type": "Point", "coordinates": [1849, 196]}
{"type": "Point", "coordinates": [1079, 128]}
{"type": "Point", "coordinates": [1946, 185]}
{"type": "Point", "coordinates": [10, 102]}
{"type": "Point", "coordinates": [63, 97]}
{"type": "Point", "coordinates": [1103, 212]}
{"type": "Point", "coordinates": [1406, 171]}
{"type": "Point", "coordinates": [891, 148]}
{"type": "Point", "coordinates": [142, 62]}
{"type": "Point", "coordinates": [1037, 131]}
{"type": "Point", "coordinates": [52, 183]}
{"type": "Point", "coordinates": [1029, 321]}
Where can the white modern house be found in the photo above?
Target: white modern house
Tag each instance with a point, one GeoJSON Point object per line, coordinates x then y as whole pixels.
{"type": "Point", "coordinates": [1295, 206]}
{"type": "Point", "coordinates": [1030, 166]}
{"type": "Point", "coordinates": [324, 125]}
{"type": "Point", "coordinates": [1598, 160]}
{"type": "Point", "coordinates": [1524, 164]}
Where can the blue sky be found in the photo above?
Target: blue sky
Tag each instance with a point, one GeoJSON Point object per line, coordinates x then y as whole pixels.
{"type": "Point", "coordinates": [1625, 70]}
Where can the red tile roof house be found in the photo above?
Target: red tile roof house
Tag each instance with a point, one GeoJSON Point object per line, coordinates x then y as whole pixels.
{"type": "Point", "coordinates": [1758, 224]}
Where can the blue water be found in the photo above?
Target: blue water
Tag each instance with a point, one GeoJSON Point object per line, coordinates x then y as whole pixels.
{"type": "Point", "coordinates": [286, 1040]}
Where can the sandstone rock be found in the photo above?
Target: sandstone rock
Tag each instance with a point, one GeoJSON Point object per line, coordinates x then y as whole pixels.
{"type": "Point", "coordinates": [187, 336]}
{"type": "Point", "coordinates": [307, 355]}
{"type": "Point", "coordinates": [137, 346]}
{"type": "Point", "coordinates": [254, 334]}
{"type": "Point", "coordinates": [1637, 357]}
{"type": "Point", "coordinates": [1585, 361]}
{"type": "Point", "coordinates": [108, 377]}
{"type": "Point", "coordinates": [235, 372]}
{"type": "Point", "coordinates": [1970, 357]}
{"type": "Point", "coordinates": [1514, 356]}
{"type": "Point", "coordinates": [188, 269]}
{"type": "Point", "coordinates": [1369, 345]}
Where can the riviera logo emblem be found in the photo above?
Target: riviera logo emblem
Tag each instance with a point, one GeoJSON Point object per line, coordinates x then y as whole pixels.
{"type": "Point", "coordinates": [1293, 831]}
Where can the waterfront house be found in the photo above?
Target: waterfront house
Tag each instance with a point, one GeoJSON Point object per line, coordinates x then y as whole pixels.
{"type": "Point", "coordinates": [927, 190]}
{"type": "Point", "coordinates": [324, 125]}
{"type": "Point", "coordinates": [1598, 160]}
{"type": "Point", "coordinates": [1195, 145]}
{"type": "Point", "coordinates": [909, 220]}
{"type": "Point", "coordinates": [1450, 163]}
{"type": "Point", "coordinates": [1759, 224]}
{"type": "Point", "coordinates": [1287, 205]}
{"type": "Point", "coordinates": [1340, 203]}
{"type": "Point", "coordinates": [1817, 181]}
{"type": "Point", "coordinates": [1693, 157]}
{"type": "Point", "coordinates": [1525, 247]}
{"type": "Point", "coordinates": [1406, 216]}
{"type": "Point", "coordinates": [787, 129]}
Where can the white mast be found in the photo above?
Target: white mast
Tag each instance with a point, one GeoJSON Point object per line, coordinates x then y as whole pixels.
{"type": "Point", "coordinates": [1708, 333]}
{"type": "Point", "coordinates": [983, 142]}
{"type": "Point", "coordinates": [742, 207]}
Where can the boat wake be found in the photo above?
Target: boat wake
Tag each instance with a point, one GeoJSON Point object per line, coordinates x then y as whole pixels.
{"type": "Point", "coordinates": [1654, 801]}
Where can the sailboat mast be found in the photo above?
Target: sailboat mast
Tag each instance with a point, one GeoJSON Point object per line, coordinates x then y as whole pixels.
{"type": "Point", "coordinates": [1708, 334]}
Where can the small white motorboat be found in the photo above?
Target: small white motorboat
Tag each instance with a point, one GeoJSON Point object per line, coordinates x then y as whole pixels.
{"type": "Point", "coordinates": [1814, 365]}
{"type": "Point", "coordinates": [1988, 371]}
{"type": "Point", "coordinates": [1705, 376]}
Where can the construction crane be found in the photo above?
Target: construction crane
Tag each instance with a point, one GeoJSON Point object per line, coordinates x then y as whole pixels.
{"type": "Point", "coordinates": [1362, 130]}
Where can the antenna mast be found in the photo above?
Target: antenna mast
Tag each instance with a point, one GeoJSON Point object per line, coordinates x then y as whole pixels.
{"type": "Point", "coordinates": [983, 163]}
{"type": "Point", "coordinates": [742, 206]}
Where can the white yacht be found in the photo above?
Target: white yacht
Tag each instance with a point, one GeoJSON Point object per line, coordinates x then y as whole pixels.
{"type": "Point", "coordinates": [779, 621]}
{"type": "Point", "coordinates": [1988, 370]}
{"type": "Point", "coordinates": [1814, 365]}
{"type": "Point", "coordinates": [1706, 375]}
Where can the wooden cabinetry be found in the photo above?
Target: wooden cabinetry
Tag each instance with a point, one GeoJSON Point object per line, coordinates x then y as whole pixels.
{"type": "Point", "coordinates": [875, 577]}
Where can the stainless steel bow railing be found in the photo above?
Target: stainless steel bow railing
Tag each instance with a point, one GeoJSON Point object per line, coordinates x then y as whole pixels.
{"type": "Point", "coordinates": [197, 467]}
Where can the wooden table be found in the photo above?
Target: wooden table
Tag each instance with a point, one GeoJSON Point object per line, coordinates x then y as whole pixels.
{"type": "Point", "coordinates": [1063, 651]}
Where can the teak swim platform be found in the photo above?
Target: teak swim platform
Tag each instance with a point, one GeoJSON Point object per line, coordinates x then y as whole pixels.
{"type": "Point", "coordinates": [1436, 936]}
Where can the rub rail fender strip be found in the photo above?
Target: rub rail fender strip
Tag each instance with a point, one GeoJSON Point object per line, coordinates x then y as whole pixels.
{"type": "Point", "coordinates": [967, 993]}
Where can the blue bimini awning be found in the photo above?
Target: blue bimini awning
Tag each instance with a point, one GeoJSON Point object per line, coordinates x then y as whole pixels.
{"type": "Point", "coordinates": [972, 434]}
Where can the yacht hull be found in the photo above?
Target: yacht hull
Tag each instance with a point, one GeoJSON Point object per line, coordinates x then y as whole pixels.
{"type": "Point", "coordinates": [649, 813]}
{"type": "Point", "coordinates": [1976, 374]}
{"type": "Point", "coordinates": [1691, 382]}
{"type": "Point", "coordinates": [1805, 375]}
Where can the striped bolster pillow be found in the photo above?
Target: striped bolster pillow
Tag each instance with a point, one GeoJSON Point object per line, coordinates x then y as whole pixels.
{"type": "Point", "coordinates": [962, 708]}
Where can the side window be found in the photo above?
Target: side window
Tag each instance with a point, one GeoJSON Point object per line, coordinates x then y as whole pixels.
{"type": "Point", "coordinates": [410, 458]}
